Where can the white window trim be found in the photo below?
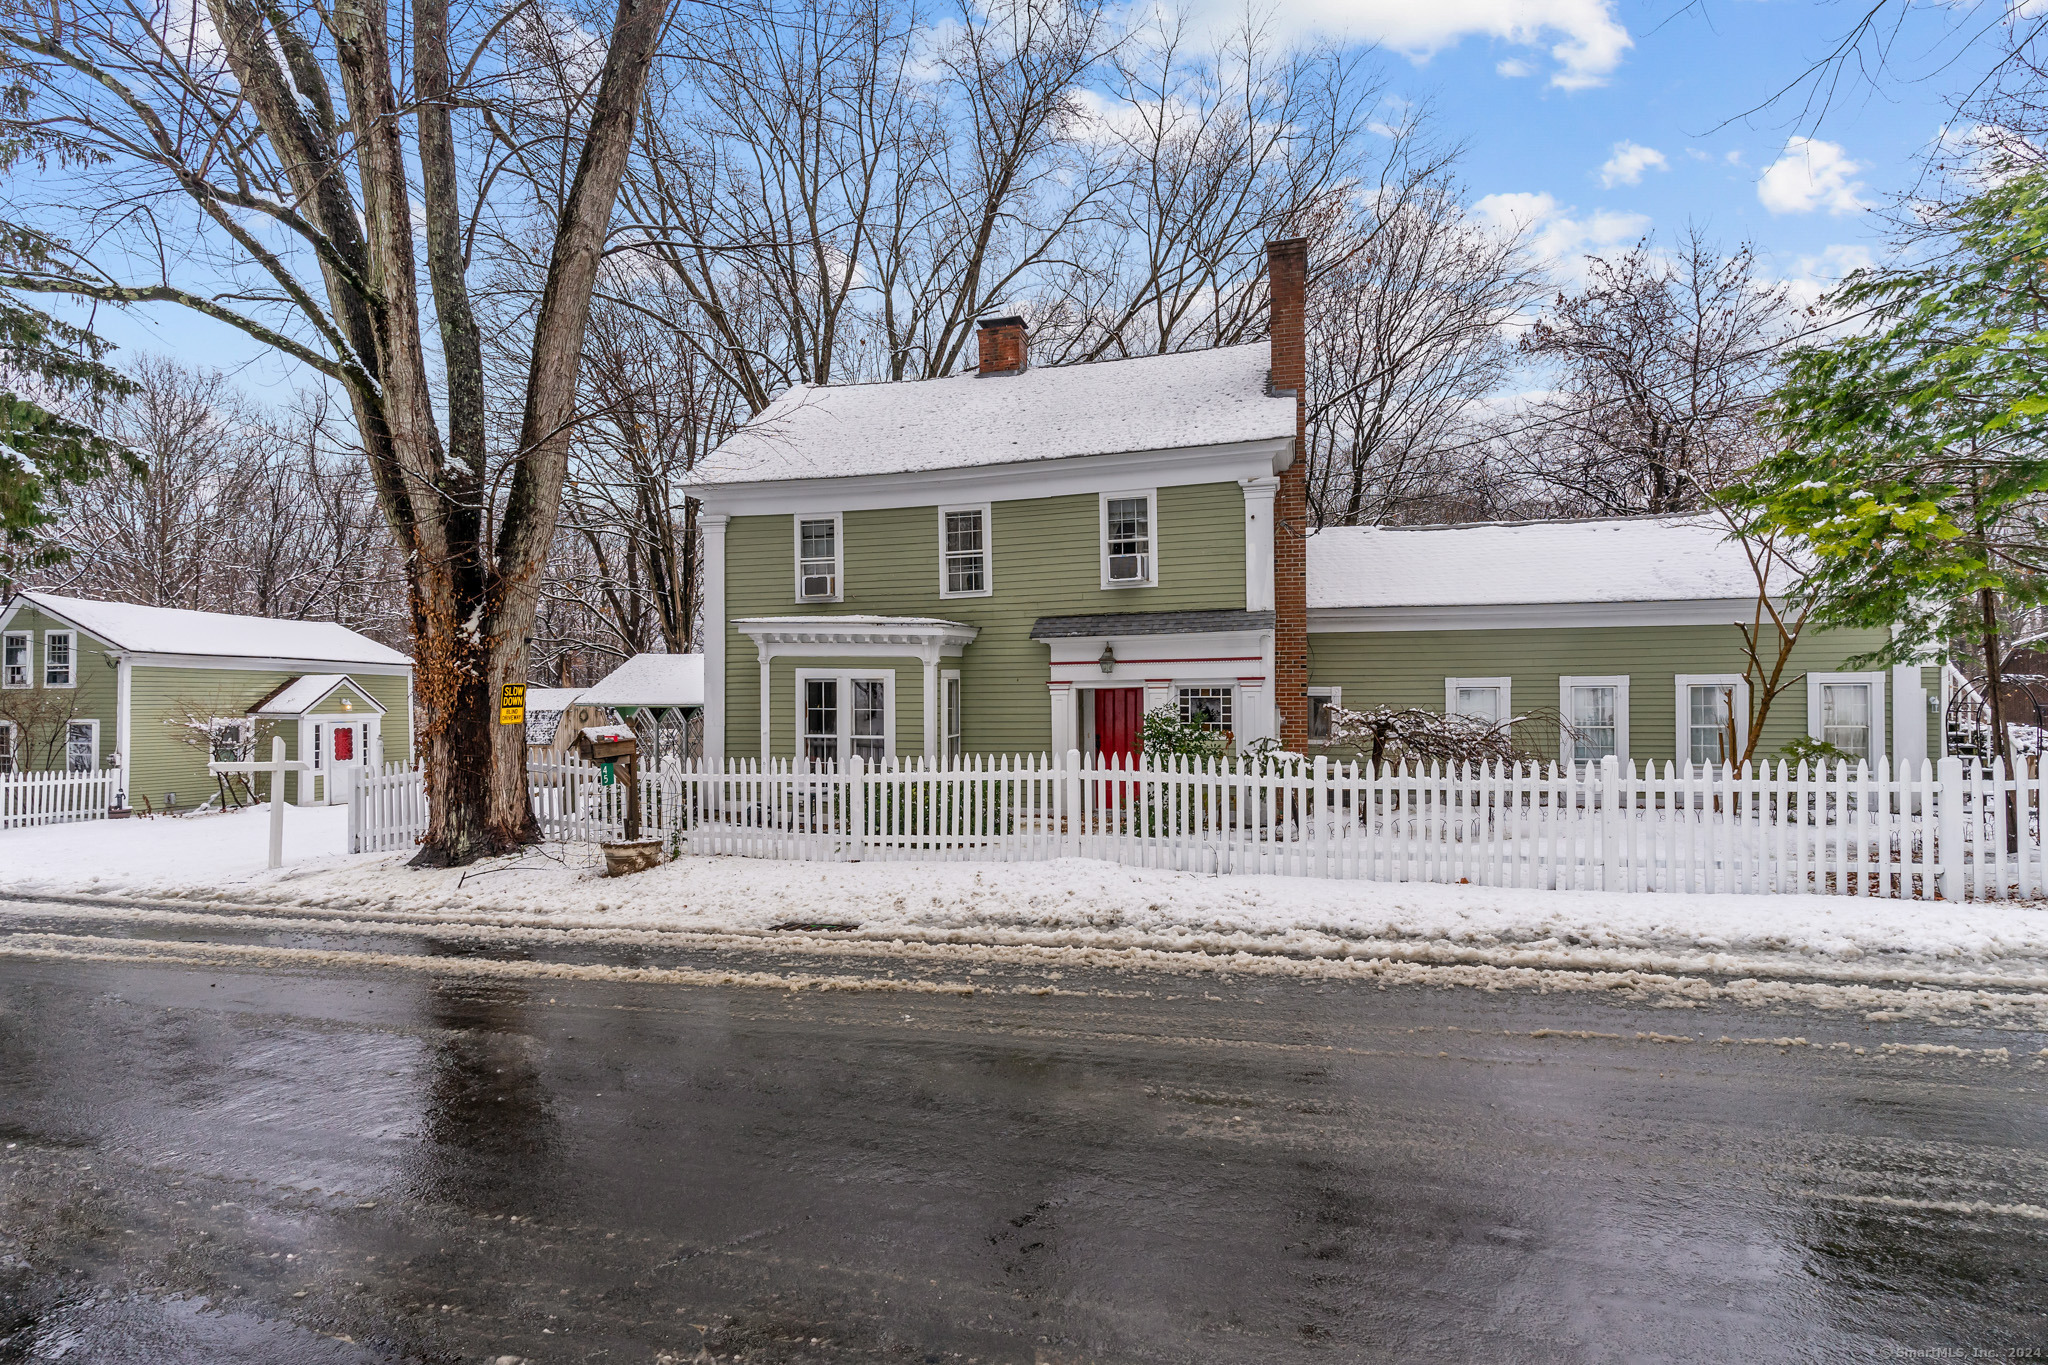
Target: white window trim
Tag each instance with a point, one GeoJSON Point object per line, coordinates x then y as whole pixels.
{"type": "Point", "coordinates": [1228, 685]}
{"type": "Point", "coordinates": [796, 551]}
{"type": "Point", "coordinates": [72, 675]}
{"type": "Point", "coordinates": [13, 755]}
{"type": "Point", "coordinates": [28, 639]}
{"type": "Point", "coordinates": [1565, 684]}
{"type": "Point", "coordinates": [1151, 496]}
{"type": "Point", "coordinates": [950, 678]}
{"type": "Point", "coordinates": [1507, 693]}
{"type": "Point", "coordinates": [1681, 695]}
{"type": "Point", "coordinates": [1879, 731]}
{"type": "Point", "coordinates": [1333, 695]}
{"type": "Point", "coordinates": [82, 720]}
{"type": "Point", "coordinates": [844, 677]}
{"type": "Point", "coordinates": [988, 556]}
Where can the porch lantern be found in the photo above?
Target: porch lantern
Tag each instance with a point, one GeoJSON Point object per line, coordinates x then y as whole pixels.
{"type": "Point", "coordinates": [1108, 660]}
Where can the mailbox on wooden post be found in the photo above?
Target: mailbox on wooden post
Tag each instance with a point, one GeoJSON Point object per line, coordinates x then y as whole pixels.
{"type": "Point", "coordinates": [615, 748]}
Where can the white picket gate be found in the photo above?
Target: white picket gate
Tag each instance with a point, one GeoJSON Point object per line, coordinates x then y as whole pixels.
{"type": "Point", "coordinates": [1953, 832]}
{"type": "Point", "coordinates": [55, 798]}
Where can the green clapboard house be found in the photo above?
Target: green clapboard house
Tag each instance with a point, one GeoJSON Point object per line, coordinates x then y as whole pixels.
{"type": "Point", "coordinates": [1026, 560]}
{"type": "Point", "coordinates": [157, 692]}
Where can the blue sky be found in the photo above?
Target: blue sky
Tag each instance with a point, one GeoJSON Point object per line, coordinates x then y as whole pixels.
{"type": "Point", "coordinates": [1591, 120]}
{"type": "Point", "coordinates": [1598, 121]}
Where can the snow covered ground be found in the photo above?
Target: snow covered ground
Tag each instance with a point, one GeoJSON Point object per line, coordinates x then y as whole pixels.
{"type": "Point", "coordinates": [1069, 904]}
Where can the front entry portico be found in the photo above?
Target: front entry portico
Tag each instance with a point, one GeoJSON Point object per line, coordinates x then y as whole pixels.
{"type": "Point", "coordinates": [1218, 663]}
{"type": "Point", "coordinates": [830, 685]}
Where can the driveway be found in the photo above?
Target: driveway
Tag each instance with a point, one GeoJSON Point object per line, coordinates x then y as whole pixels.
{"type": "Point", "coordinates": [247, 1146]}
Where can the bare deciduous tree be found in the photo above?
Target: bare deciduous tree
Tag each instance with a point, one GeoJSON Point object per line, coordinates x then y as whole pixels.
{"type": "Point", "coordinates": [264, 166]}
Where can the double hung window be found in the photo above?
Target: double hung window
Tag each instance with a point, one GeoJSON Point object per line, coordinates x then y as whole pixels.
{"type": "Point", "coordinates": [1322, 701]}
{"type": "Point", "coordinates": [844, 717]}
{"type": "Point", "coordinates": [1713, 709]}
{"type": "Point", "coordinates": [82, 746]}
{"type": "Point", "coordinates": [60, 669]}
{"type": "Point", "coordinates": [1480, 698]}
{"type": "Point", "coordinates": [1128, 556]}
{"type": "Point", "coordinates": [1847, 711]}
{"type": "Point", "coordinates": [1595, 718]}
{"type": "Point", "coordinates": [963, 552]}
{"type": "Point", "coordinates": [16, 661]}
{"type": "Point", "coordinates": [818, 558]}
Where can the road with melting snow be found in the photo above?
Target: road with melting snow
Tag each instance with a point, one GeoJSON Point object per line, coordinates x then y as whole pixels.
{"type": "Point", "coordinates": [235, 1144]}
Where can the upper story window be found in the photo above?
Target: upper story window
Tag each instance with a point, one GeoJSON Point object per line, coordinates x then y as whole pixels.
{"type": "Point", "coordinates": [1129, 527]}
{"type": "Point", "coordinates": [818, 562]}
{"type": "Point", "coordinates": [15, 650]}
{"type": "Point", "coordinates": [59, 667]}
{"type": "Point", "coordinates": [963, 551]}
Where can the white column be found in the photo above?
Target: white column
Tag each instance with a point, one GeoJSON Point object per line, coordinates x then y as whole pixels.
{"type": "Point", "coordinates": [931, 705]}
{"type": "Point", "coordinates": [1909, 719]}
{"type": "Point", "coordinates": [124, 729]}
{"type": "Point", "coordinates": [1064, 734]}
{"type": "Point", "coordinates": [712, 526]}
{"type": "Point", "coordinates": [1158, 693]}
{"type": "Point", "coordinates": [766, 654]}
{"type": "Point", "coordinates": [1258, 542]}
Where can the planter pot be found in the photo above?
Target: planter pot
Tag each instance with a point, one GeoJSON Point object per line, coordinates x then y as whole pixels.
{"type": "Point", "coordinates": [620, 859]}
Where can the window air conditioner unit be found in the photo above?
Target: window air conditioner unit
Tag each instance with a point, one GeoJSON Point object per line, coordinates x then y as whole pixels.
{"type": "Point", "coordinates": [818, 585]}
{"type": "Point", "coordinates": [1130, 568]}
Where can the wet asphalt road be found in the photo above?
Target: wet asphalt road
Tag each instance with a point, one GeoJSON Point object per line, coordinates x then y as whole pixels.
{"type": "Point", "coordinates": [285, 1164]}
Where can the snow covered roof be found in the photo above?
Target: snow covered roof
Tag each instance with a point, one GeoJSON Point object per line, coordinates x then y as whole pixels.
{"type": "Point", "coordinates": [212, 634]}
{"type": "Point", "coordinates": [302, 694]}
{"type": "Point", "coordinates": [650, 680]}
{"type": "Point", "coordinates": [551, 698]}
{"type": "Point", "coordinates": [1631, 559]}
{"type": "Point", "coordinates": [1160, 402]}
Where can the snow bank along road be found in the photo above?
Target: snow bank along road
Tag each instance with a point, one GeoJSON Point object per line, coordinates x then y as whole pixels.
{"type": "Point", "coordinates": [214, 865]}
{"type": "Point", "coordinates": [399, 1149]}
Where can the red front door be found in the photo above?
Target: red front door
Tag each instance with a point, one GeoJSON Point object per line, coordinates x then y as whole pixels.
{"type": "Point", "coordinates": [1119, 721]}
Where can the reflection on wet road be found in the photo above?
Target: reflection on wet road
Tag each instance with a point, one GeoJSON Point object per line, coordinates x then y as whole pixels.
{"type": "Point", "coordinates": [226, 1164]}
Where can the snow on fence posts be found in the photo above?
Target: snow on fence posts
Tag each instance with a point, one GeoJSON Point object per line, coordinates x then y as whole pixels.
{"type": "Point", "coordinates": [1966, 832]}
{"type": "Point", "coordinates": [55, 798]}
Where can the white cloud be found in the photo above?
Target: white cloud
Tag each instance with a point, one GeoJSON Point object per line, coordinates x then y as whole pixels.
{"type": "Point", "coordinates": [1557, 233]}
{"type": "Point", "coordinates": [1811, 174]}
{"type": "Point", "coordinates": [1583, 37]}
{"type": "Point", "coordinates": [1812, 276]}
{"type": "Point", "coordinates": [1514, 68]}
{"type": "Point", "coordinates": [1628, 163]}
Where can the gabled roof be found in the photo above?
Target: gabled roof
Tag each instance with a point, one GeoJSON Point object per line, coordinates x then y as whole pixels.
{"type": "Point", "coordinates": [1628, 559]}
{"type": "Point", "coordinates": [212, 634]}
{"type": "Point", "coordinates": [551, 698]}
{"type": "Point", "coordinates": [302, 694]}
{"type": "Point", "coordinates": [650, 680]}
{"type": "Point", "coordinates": [1161, 402]}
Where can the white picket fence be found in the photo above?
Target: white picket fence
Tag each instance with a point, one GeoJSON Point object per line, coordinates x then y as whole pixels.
{"type": "Point", "coordinates": [55, 798]}
{"type": "Point", "coordinates": [1953, 832]}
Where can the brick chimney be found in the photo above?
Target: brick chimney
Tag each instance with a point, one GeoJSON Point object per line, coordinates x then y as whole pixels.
{"type": "Point", "coordinates": [1002, 345]}
{"type": "Point", "coordinates": [1287, 286]}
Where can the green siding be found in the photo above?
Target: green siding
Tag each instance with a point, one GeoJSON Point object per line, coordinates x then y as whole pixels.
{"type": "Point", "coordinates": [160, 758]}
{"type": "Point", "coordinates": [1044, 561]}
{"type": "Point", "coordinates": [1408, 668]}
{"type": "Point", "coordinates": [41, 713]}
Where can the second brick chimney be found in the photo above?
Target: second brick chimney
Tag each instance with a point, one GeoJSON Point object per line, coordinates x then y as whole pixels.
{"type": "Point", "coordinates": [1002, 345]}
{"type": "Point", "coordinates": [1287, 285]}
